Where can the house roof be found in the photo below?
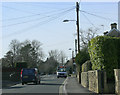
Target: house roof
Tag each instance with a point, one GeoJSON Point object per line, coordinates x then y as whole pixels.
{"type": "Point", "coordinates": [114, 33]}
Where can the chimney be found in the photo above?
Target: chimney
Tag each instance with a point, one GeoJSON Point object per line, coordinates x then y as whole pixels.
{"type": "Point", "coordinates": [113, 25]}
{"type": "Point", "coordinates": [105, 32]}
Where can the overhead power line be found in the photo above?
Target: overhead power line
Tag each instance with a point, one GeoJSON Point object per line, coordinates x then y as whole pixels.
{"type": "Point", "coordinates": [18, 10]}
{"type": "Point", "coordinates": [96, 15]}
{"type": "Point", "coordinates": [24, 22]}
{"type": "Point", "coordinates": [40, 23]}
{"type": "Point", "coordinates": [38, 14]}
{"type": "Point", "coordinates": [88, 20]}
{"type": "Point", "coordinates": [36, 19]}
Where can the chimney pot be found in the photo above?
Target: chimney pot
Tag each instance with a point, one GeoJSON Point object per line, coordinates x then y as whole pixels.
{"type": "Point", "coordinates": [113, 25]}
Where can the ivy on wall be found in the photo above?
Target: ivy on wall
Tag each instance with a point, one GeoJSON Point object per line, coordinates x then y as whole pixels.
{"type": "Point", "coordinates": [104, 54]}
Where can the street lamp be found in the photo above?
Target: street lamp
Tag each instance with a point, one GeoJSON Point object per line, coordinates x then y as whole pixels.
{"type": "Point", "coordinates": [68, 20]}
{"type": "Point", "coordinates": [77, 34]}
{"type": "Point", "coordinates": [77, 23]}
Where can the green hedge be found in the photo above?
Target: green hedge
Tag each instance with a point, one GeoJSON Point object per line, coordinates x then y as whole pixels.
{"type": "Point", "coordinates": [81, 58]}
{"type": "Point", "coordinates": [21, 65]}
{"type": "Point", "coordinates": [104, 53]}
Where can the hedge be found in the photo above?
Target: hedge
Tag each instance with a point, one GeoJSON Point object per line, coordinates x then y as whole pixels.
{"type": "Point", "coordinates": [104, 53]}
{"type": "Point", "coordinates": [21, 65]}
{"type": "Point", "coordinates": [81, 58]}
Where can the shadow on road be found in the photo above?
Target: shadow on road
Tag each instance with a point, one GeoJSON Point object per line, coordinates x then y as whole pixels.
{"type": "Point", "coordinates": [45, 84]}
{"type": "Point", "coordinates": [50, 84]}
{"type": "Point", "coordinates": [17, 87]}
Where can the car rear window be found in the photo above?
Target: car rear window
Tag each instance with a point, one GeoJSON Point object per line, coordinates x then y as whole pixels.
{"type": "Point", "coordinates": [62, 70]}
{"type": "Point", "coordinates": [28, 72]}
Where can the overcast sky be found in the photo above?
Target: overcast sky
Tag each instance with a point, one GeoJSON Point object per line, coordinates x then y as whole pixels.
{"type": "Point", "coordinates": [43, 21]}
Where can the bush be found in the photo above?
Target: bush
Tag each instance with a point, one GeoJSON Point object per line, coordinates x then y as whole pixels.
{"type": "Point", "coordinates": [105, 53]}
{"type": "Point", "coordinates": [86, 66]}
{"type": "Point", "coordinates": [81, 58]}
{"type": "Point", "coordinates": [21, 65]}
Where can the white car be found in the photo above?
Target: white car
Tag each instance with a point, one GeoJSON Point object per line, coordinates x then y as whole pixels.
{"type": "Point", "coordinates": [61, 73]}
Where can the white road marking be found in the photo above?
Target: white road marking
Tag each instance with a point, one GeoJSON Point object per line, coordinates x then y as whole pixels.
{"type": "Point", "coordinates": [0, 91]}
{"type": "Point", "coordinates": [62, 88]}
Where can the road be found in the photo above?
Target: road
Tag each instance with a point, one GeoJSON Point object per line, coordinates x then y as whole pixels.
{"type": "Point", "coordinates": [49, 84]}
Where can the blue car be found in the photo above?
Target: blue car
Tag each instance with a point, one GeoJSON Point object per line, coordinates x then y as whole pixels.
{"type": "Point", "coordinates": [30, 75]}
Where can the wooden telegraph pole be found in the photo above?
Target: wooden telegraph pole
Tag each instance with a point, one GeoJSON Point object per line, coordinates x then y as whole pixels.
{"type": "Point", "coordinates": [77, 22]}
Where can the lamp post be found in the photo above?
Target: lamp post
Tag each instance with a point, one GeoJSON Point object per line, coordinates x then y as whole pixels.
{"type": "Point", "coordinates": [77, 23]}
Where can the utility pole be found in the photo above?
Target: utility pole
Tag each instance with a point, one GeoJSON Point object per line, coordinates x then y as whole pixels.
{"type": "Point", "coordinates": [75, 47]}
{"type": "Point", "coordinates": [77, 22]}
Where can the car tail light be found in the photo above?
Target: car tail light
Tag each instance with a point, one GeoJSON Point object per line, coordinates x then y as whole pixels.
{"type": "Point", "coordinates": [21, 73]}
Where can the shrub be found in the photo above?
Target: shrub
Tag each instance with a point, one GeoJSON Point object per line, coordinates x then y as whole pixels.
{"type": "Point", "coordinates": [104, 53]}
{"type": "Point", "coordinates": [21, 65]}
{"type": "Point", "coordinates": [81, 58]}
{"type": "Point", "coordinates": [86, 66]}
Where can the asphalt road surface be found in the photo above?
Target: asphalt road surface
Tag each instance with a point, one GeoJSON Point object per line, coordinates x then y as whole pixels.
{"type": "Point", "coordinates": [49, 84]}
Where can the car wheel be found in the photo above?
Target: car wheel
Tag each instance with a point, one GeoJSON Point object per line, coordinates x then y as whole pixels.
{"type": "Point", "coordinates": [22, 83]}
{"type": "Point", "coordinates": [57, 77]}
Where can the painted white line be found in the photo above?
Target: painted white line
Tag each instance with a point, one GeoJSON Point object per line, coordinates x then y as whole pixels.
{"type": "Point", "coordinates": [62, 88]}
{"type": "Point", "coordinates": [0, 91]}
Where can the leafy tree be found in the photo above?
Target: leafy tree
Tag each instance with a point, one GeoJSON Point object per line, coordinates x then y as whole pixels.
{"type": "Point", "coordinates": [82, 57]}
{"type": "Point", "coordinates": [30, 52]}
{"type": "Point", "coordinates": [7, 61]}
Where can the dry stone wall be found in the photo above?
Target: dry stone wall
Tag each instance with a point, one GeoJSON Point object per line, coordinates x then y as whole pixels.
{"type": "Point", "coordinates": [117, 81]}
{"type": "Point", "coordinates": [84, 79]}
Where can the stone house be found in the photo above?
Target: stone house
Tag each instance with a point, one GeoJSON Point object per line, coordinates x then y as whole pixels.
{"type": "Point", "coordinates": [114, 32]}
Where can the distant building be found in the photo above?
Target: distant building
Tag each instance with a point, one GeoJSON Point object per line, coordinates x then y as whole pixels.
{"type": "Point", "coordinates": [114, 32]}
{"type": "Point", "coordinates": [119, 15]}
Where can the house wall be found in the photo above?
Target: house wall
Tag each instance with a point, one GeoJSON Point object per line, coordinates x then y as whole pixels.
{"type": "Point", "coordinates": [119, 15]}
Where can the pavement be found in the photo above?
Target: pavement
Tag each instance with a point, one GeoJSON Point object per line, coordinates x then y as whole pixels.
{"type": "Point", "coordinates": [72, 87]}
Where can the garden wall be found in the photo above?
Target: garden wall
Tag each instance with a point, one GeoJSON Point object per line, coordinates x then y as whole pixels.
{"type": "Point", "coordinates": [117, 81]}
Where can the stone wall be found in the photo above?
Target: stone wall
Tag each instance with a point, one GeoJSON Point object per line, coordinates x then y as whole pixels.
{"type": "Point", "coordinates": [84, 79]}
{"type": "Point", "coordinates": [79, 77]}
{"type": "Point", "coordinates": [117, 81]}
{"type": "Point", "coordinates": [95, 80]}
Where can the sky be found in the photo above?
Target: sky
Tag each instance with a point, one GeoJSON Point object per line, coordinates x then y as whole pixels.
{"type": "Point", "coordinates": [43, 21]}
{"type": "Point", "coordinates": [119, 15]}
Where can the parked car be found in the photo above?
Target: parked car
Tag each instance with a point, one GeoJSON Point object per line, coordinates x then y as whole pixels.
{"type": "Point", "coordinates": [30, 75]}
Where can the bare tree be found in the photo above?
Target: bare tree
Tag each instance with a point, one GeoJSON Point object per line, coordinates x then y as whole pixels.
{"type": "Point", "coordinates": [62, 57]}
{"type": "Point", "coordinates": [55, 54]}
{"type": "Point", "coordinates": [87, 35]}
{"type": "Point", "coordinates": [15, 47]}
{"type": "Point", "coordinates": [36, 45]}
{"type": "Point", "coordinates": [59, 56]}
